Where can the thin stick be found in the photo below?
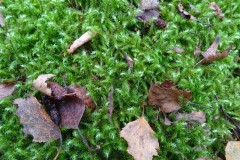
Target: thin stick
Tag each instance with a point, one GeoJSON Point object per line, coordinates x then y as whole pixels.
{"type": "Point", "coordinates": [60, 148]}
{"type": "Point", "coordinates": [85, 142]}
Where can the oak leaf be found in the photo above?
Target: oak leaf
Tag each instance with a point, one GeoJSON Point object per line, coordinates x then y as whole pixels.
{"type": "Point", "coordinates": [166, 96]}
{"type": "Point", "coordinates": [141, 144]}
{"type": "Point", "coordinates": [35, 120]}
{"type": "Point", "coordinates": [41, 85]}
{"type": "Point", "coordinates": [211, 55]}
{"type": "Point", "coordinates": [6, 90]}
{"type": "Point", "coordinates": [232, 150]}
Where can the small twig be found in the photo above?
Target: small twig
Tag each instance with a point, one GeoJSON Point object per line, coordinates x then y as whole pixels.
{"type": "Point", "coordinates": [85, 142]}
{"type": "Point", "coordinates": [143, 107]}
{"type": "Point", "coordinates": [60, 148]}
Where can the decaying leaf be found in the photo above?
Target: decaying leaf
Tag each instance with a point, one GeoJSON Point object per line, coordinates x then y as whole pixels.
{"type": "Point", "coordinates": [167, 122]}
{"type": "Point", "coordinates": [1, 20]}
{"type": "Point", "coordinates": [141, 144]}
{"type": "Point", "coordinates": [232, 150]}
{"type": "Point", "coordinates": [184, 13]}
{"type": "Point", "coordinates": [110, 100]}
{"type": "Point", "coordinates": [35, 120]}
{"type": "Point", "coordinates": [6, 90]}
{"type": "Point", "coordinates": [178, 50]}
{"type": "Point", "coordinates": [197, 116]}
{"type": "Point", "coordinates": [80, 41]}
{"type": "Point", "coordinates": [41, 85]}
{"type": "Point", "coordinates": [57, 91]}
{"type": "Point", "coordinates": [216, 8]}
{"type": "Point", "coordinates": [145, 16]}
{"type": "Point", "coordinates": [166, 96]}
{"type": "Point", "coordinates": [211, 55]}
{"type": "Point", "coordinates": [130, 61]}
{"type": "Point", "coordinates": [149, 4]}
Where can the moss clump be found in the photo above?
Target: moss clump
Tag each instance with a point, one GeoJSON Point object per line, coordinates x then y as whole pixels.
{"type": "Point", "coordinates": [36, 33]}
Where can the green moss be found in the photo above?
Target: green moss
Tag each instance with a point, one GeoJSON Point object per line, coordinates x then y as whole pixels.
{"type": "Point", "coordinates": [37, 32]}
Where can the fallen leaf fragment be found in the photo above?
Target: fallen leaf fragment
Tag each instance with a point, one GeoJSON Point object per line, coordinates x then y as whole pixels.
{"type": "Point", "coordinates": [167, 122]}
{"type": "Point", "coordinates": [184, 13]}
{"type": "Point", "coordinates": [145, 16]}
{"type": "Point", "coordinates": [110, 100]}
{"type": "Point", "coordinates": [203, 159]}
{"type": "Point", "coordinates": [141, 144]}
{"type": "Point", "coordinates": [166, 96]}
{"type": "Point", "coordinates": [6, 90]}
{"type": "Point", "coordinates": [130, 61]}
{"type": "Point", "coordinates": [87, 36]}
{"type": "Point", "coordinates": [1, 20]}
{"type": "Point", "coordinates": [197, 116]}
{"type": "Point", "coordinates": [41, 85]}
{"type": "Point", "coordinates": [149, 4]}
{"type": "Point", "coordinates": [216, 8]}
{"type": "Point", "coordinates": [57, 91]}
{"type": "Point", "coordinates": [211, 55]}
{"type": "Point", "coordinates": [35, 120]}
{"type": "Point", "coordinates": [178, 50]}
{"type": "Point", "coordinates": [232, 150]}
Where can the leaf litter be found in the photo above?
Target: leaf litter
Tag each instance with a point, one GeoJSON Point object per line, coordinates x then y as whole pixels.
{"type": "Point", "coordinates": [6, 89]}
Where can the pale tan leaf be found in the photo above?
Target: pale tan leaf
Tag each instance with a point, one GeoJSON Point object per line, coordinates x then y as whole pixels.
{"type": "Point", "coordinates": [6, 90]}
{"type": "Point", "coordinates": [178, 50]}
{"type": "Point", "coordinates": [141, 144]}
{"type": "Point", "coordinates": [232, 150]}
{"type": "Point", "coordinates": [87, 36]}
{"type": "Point", "coordinates": [41, 85]}
{"type": "Point", "coordinates": [1, 20]}
{"type": "Point", "coordinates": [198, 116]}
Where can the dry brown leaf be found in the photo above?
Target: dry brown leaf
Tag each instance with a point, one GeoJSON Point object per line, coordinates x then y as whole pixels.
{"type": "Point", "coordinates": [149, 4]}
{"type": "Point", "coordinates": [41, 85]}
{"type": "Point", "coordinates": [130, 61]}
{"type": "Point", "coordinates": [87, 36]}
{"type": "Point", "coordinates": [145, 16]}
{"type": "Point", "coordinates": [35, 120]}
{"type": "Point", "coordinates": [211, 55]}
{"type": "Point", "coordinates": [141, 144]}
{"type": "Point", "coordinates": [216, 8]}
{"type": "Point", "coordinates": [199, 116]}
{"type": "Point", "coordinates": [166, 96]}
{"type": "Point", "coordinates": [6, 90]}
{"type": "Point", "coordinates": [178, 50]}
{"type": "Point", "coordinates": [1, 20]}
{"type": "Point", "coordinates": [110, 100]}
{"type": "Point", "coordinates": [232, 150]}
{"type": "Point", "coordinates": [167, 122]}
{"type": "Point", "coordinates": [184, 13]}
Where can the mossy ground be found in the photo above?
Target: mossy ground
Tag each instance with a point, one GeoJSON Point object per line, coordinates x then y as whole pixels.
{"type": "Point", "coordinates": [36, 33]}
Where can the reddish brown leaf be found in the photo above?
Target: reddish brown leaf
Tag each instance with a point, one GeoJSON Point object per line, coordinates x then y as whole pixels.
{"type": "Point", "coordinates": [129, 61]}
{"type": "Point", "coordinates": [166, 96]}
{"type": "Point", "coordinates": [6, 90]}
{"type": "Point", "coordinates": [81, 93]}
{"type": "Point", "coordinates": [110, 100]}
{"type": "Point", "coordinates": [71, 110]}
{"type": "Point", "coordinates": [232, 150]}
{"type": "Point", "coordinates": [141, 144]}
{"type": "Point", "coordinates": [149, 4]}
{"type": "Point", "coordinates": [35, 120]}
{"type": "Point", "coordinates": [211, 55]}
{"type": "Point", "coordinates": [184, 13]}
{"type": "Point", "coordinates": [41, 85]}
{"type": "Point", "coordinates": [58, 92]}
{"type": "Point", "coordinates": [178, 50]}
{"type": "Point", "coordinates": [216, 8]}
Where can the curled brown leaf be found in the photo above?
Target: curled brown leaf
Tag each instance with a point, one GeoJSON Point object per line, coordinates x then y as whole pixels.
{"type": "Point", "coordinates": [41, 85]}
{"type": "Point", "coordinates": [166, 96]}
